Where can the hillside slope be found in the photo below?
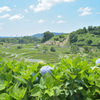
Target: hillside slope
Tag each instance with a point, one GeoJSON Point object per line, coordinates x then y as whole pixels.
{"type": "Point", "coordinates": [90, 36]}
{"type": "Point", "coordinates": [59, 40]}
{"type": "Point", "coordinates": [80, 37]}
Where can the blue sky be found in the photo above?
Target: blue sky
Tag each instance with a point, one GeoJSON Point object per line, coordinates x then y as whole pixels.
{"type": "Point", "coordinates": [28, 17]}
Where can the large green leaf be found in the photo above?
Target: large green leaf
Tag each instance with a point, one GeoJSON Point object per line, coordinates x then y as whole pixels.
{"type": "Point", "coordinates": [97, 81]}
{"type": "Point", "coordinates": [49, 82]}
{"type": "Point", "coordinates": [76, 61]}
{"type": "Point", "coordinates": [20, 79]}
{"type": "Point", "coordinates": [17, 93]}
{"type": "Point", "coordinates": [34, 77]}
{"type": "Point", "coordinates": [72, 76]}
{"type": "Point", "coordinates": [5, 96]}
{"type": "Point", "coordinates": [2, 87]}
{"type": "Point", "coordinates": [50, 92]}
{"type": "Point", "coordinates": [36, 91]}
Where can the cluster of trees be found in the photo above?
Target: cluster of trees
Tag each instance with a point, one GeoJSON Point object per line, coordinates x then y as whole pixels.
{"type": "Point", "coordinates": [20, 40]}
{"type": "Point", "coordinates": [28, 39]}
{"type": "Point", "coordinates": [46, 36]}
{"type": "Point", "coordinates": [60, 38]}
{"type": "Point", "coordinates": [80, 35]}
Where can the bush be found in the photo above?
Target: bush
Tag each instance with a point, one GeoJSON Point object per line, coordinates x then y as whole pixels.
{"type": "Point", "coordinates": [87, 49]}
{"type": "Point", "coordinates": [89, 42]}
{"type": "Point", "coordinates": [56, 39]}
{"type": "Point", "coordinates": [45, 48]}
{"type": "Point", "coordinates": [98, 45]}
{"type": "Point", "coordinates": [19, 47]}
{"type": "Point", "coordinates": [1, 43]}
{"type": "Point", "coordinates": [52, 49]}
{"type": "Point", "coordinates": [74, 49]}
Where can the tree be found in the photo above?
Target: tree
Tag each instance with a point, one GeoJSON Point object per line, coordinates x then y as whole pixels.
{"type": "Point", "coordinates": [90, 28]}
{"type": "Point", "coordinates": [98, 45]}
{"type": "Point", "coordinates": [89, 42]}
{"type": "Point", "coordinates": [84, 30]}
{"type": "Point", "coordinates": [74, 49]}
{"type": "Point", "coordinates": [87, 49]}
{"type": "Point", "coordinates": [72, 38]}
{"type": "Point", "coordinates": [19, 47]}
{"type": "Point", "coordinates": [47, 35]}
{"type": "Point", "coordinates": [52, 49]}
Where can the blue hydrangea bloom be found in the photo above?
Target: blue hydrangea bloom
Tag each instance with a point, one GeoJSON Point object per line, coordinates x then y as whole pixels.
{"type": "Point", "coordinates": [36, 77]}
{"type": "Point", "coordinates": [97, 61]}
{"type": "Point", "coordinates": [44, 69]}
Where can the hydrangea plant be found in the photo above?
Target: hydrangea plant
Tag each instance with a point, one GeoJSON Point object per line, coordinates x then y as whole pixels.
{"type": "Point", "coordinates": [44, 69]}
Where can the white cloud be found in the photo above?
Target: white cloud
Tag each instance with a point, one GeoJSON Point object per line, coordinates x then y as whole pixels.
{"type": "Point", "coordinates": [98, 13]}
{"type": "Point", "coordinates": [61, 21]}
{"type": "Point", "coordinates": [31, 7]}
{"type": "Point", "coordinates": [41, 21]}
{"type": "Point", "coordinates": [59, 16]}
{"type": "Point", "coordinates": [46, 4]}
{"type": "Point", "coordinates": [25, 10]}
{"type": "Point", "coordinates": [15, 6]}
{"type": "Point", "coordinates": [85, 11]}
{"type": "Point", "coordinates": [4, 8]}
{"type": "Point", "coordinates": [16, 17]}
{"type": "Point", "coordinates": [5, 16]}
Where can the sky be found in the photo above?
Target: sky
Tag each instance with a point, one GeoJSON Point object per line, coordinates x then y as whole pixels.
{"type": "Point", "coordinates": [29, 17]}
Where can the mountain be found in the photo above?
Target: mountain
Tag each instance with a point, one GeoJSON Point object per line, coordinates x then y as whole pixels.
{"type": "Point", "coordinates": [3, 36]}
{"type": "Point", "coordinates": [40, 35]}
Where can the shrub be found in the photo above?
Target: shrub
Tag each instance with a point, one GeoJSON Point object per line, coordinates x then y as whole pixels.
{"type": "Point", "coordinates": [52, 49]}
{"type": "Point", "coordinates": [98, 45]}
{"type": "Point", "coordinates": [74, 49]}
{"type": "Point", "coordinates": [87, 49]}
{"type": "Point", "coordinates": [19, 47]}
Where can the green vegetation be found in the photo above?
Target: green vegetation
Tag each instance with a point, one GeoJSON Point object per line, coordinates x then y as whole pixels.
{"type": "Point", "coordinates": [74, 74]}
{"type": "Point", "coordinates": [69, 80]}
{"type": "Point", "coordinates": [20, 40]}
{"type": "Point", "coordinates": [46, 36]}
{"type": "Point", "coordinates": [69, 45]}
{"type": "Point", "coordinates": [52, 49]}
{"type": "Point", "coordinates": [90, 36]}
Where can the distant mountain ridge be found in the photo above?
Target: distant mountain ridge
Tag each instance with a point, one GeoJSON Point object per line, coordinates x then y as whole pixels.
{"type": "Point", "coordinates": [40, 35]}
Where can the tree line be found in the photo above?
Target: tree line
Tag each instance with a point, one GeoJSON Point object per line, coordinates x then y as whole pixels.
{"type": "Point", "coordinates": [20, 40]}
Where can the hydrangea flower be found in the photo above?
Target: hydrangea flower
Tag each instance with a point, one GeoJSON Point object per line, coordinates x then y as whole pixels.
{"type": "Point", "coordinates": [44, 69]}
{"type": "Point", "coordinates": [36, 77]}
{"type": "Point", "coordinates": [97, 61]}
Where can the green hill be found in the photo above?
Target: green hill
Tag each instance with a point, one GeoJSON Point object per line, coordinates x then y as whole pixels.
{"type": "Point", "coordinates": [89, 36]}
